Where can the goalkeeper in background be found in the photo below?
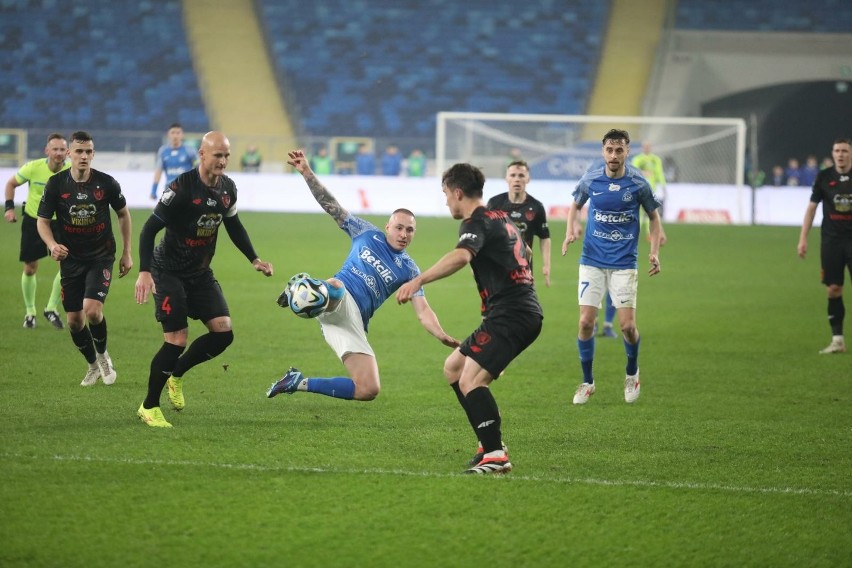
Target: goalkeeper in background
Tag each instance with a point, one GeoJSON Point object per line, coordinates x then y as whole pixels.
{"type": "Point", "coordinates": [651, 166]}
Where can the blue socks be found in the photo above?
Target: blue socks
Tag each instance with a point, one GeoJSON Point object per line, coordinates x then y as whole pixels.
{"type": "Point", "coordinates": [632, 357]}
{"type": "Point", "coordinates": [587, 356]}
{"type": "Point", "coordinates": [610, 310]}
{"type": "Point", "coordinates": [335, 387]}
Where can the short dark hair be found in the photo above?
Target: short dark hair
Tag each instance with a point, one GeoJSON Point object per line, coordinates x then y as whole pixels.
{"type": "Point", "coordinates": [518, 163]}
{"type": "Point", "coordinates": [81, 136]}
{"type": "Point", "coordinates": [843, 141]}
{"type": "Point", "coordinates": [175, 125]}
{"type": "Point", "coordinates": [404, 211]}
{"type": "Point", "coordinates": [616, 134]}
{"type": "Point", "coordinates": [55, 136]}
{"type": "Point", "coordinates": [465, 177]}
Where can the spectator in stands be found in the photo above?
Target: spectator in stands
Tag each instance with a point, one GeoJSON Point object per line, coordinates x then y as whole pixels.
{"type": "Point", "coordinates": [809, 171]}
{"type": "Point", "coordinates": [365, 161]}
{"type": "Point", "coordinates": [391, 161]}
{"type": "Point", "coordinates": [321, 163]}
{"type": "Point", "coordinates": [827, 162]}
{"type": "Point", "coordinates": [832, 188]}
{"type": "Point", "coordinates": [793, 173]}
{"type": "Point", "coordinates": [173, 158]}
{"type": "Point", "coordinates": [251, 159]}
{"type": "Point", "coordinates": [415, 165]}
{"type": "Point", "coordinates": [35, 174]}
{"type": "Point", "coordinates": [778, 177]}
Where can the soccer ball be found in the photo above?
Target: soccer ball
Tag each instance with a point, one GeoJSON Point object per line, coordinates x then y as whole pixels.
{"type": "Point", "coordinates": [308, 297]}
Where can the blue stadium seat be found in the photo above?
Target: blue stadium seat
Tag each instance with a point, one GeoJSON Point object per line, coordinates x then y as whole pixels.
{"type": "Point", "coordinates": [816, 16]}
{"type": "Point", "coordinates": [384, 69]}
{"type": "Point", "coordinates": [97, 66]}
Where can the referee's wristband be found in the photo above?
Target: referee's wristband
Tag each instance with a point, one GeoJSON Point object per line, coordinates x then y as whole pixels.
{"type": "Point", "coordinates": [10, 204]}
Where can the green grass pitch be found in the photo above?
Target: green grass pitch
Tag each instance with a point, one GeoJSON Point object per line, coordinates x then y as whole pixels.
{"type": "Point", "coordinates": [737, 453]}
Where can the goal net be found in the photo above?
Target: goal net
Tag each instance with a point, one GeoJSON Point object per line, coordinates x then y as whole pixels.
{"type": "Point", "coordinates": [694, 150]}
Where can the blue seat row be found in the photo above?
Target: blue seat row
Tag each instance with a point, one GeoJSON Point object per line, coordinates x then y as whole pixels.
{"type": "Point", "coordinates": [384, 69]}
{"type": "Point", "coordinates": [110, 66]}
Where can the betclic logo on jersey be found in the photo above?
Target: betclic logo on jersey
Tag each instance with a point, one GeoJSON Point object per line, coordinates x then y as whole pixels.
{"type": "Point", "coordinates": [613, 217]}
{"type": "Point", "coordinates": [383, 272]}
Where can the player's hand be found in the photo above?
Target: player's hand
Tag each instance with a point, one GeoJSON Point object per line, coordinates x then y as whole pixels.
{"type": "Point", "coordinates": [144, 287]}
{"type": "Point", "coordinates": [569, 238]}
{"type": "Point", "coordinates": [58, 252]}
{"type": "Point", "coordinates": [10, 216]}
{"type": "Point", "coordinates": [406, 291]}
{"type": "Point", "coordinates": [802, 249]}
{"type": "Point", "coordinates": [124, 265]}
{"type": "Point", "coordinates": [655, 264]}
{"type": "Point", "coordinates": [261, 266]}
{"type": "Point", "coordinates": [299, 161]}
{"type": "Point", "coordinates": [449, 341]}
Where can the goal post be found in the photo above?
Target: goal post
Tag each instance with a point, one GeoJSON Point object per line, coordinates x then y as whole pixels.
{"type": "Point", "coordinates": [694, 150]}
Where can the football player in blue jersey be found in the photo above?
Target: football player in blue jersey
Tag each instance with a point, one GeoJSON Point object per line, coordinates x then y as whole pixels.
{"type": "Point", "coordinates": [377, 265]}
{"type": "Point", "coordinates": [173, 158]}
{"type": "Point", "coordinates": [615, 192]}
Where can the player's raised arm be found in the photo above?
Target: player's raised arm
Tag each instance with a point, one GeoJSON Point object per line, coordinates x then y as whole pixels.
{"type": "Point", "coordinates": [323, 196]}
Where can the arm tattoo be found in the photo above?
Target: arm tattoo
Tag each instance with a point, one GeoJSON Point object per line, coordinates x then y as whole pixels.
{"type": "Point", "coordinates": [326, 200]}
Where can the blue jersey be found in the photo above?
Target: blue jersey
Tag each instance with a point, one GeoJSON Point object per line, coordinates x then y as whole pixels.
{"type": "Point", "coordinates": [175, 161]}
{"type": "Point", "coordinates": [612, 228]}
{"type": "Point", "coordinates": [373, 270]}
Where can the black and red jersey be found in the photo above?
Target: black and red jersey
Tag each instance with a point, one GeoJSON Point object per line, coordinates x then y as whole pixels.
{"type": "Point", "coordinates": [834, 190]}
{"type": "Point", "coordinates": [500, 266]}
{"type": "Point", "coordinates": [82, 211]}
{"type": "Point", "coordinates": [192, 213]}
{"type": "Point", "coordinates": [529, 216]}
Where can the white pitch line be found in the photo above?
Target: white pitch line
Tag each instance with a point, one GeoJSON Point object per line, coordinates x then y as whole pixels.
{"type": "Point", "coordinates": [428, 474]}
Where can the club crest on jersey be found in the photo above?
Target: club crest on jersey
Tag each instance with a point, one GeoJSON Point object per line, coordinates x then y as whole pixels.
{"type": "Point", "coordinates": [529, 215]}
{"type": "Point", "coordinates": [627, 197]}
{"type": "Point", "coordinates": [226, 201]}
{"type": "Point", "coordinates": [99, 194]}
{"type": "Point", "coordinates": [482, 338]}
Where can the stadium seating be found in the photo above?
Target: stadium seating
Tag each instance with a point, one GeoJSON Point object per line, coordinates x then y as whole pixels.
{"type": "Point", "coordinates": [816, 16]}
{"type": "Point", "coordinates": [97, 66]}
{"type": "Point", "coordinates": [364, 68]}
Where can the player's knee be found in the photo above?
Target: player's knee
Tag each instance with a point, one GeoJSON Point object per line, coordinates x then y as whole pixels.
{"type": "Point", "coordinates": [586, 326]}
{"type": "Point", "coordinates": [220, 341]}
{"type": "Point", "coordinates": [630, 333]}
{"type": "Point", "coordinates": [367, 392]}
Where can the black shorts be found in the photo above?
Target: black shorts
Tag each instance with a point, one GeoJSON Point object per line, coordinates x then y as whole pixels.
{"type": "Point", "coordinates": [178, 298]}
{"type": "Point", "coordinates": [84, 280]}
{"type": "Point", "coordinates": [836, 257]}
{"type": "Point", "coordinates": [32, 247]}
{"type": "Point", "coordinates": [498, 340]}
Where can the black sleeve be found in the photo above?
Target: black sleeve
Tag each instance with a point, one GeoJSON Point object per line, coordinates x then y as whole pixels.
{"type": "Point", "coordinates": [146, 241]}
{"type": "Point", "coordinates": [240, 237]}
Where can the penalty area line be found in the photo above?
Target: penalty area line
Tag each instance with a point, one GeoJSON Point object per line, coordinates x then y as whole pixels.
{"type": "Point", "coordinates": [649, 484]}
